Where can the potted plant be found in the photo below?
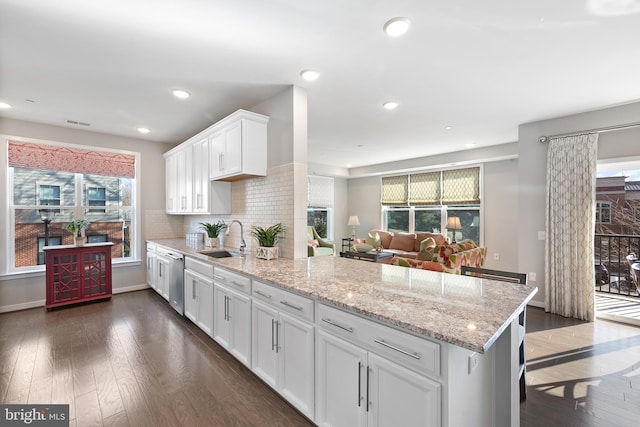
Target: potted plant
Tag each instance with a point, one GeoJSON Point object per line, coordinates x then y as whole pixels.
{"type": "Point", "coordinates": [213, 232]}
{"type": "Point", "coordinates": [267, 239]}
{"type": "Point", "coordinates": [77, 227]}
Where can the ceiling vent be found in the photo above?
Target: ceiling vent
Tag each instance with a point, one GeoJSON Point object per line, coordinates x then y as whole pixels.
{"type": "Point", "coordinates": [73, 122]}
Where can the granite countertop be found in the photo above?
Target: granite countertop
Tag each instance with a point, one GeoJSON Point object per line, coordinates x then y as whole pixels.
{"type": "Point", "coordinates": [460, 310]}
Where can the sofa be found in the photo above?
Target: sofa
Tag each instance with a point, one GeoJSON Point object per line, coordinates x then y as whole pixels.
{"type": "Point", "coordinates": [447, 258]}
{"type": "Point", "coordinates": [406, 245]}
{"type": "Point", "coordinates": [316, 246]}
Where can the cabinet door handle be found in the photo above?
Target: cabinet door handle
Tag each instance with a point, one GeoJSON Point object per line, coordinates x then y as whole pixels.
{"type": "Point", "coordinates": [359, 383]}
{"type": "Point", "coordinates": [262, 294]}
{"type": "Point", "coordinates": [288, 304]}
{"type": "Point", "coordinates": [193, 289]}
{"type": "Point", "coordinates": [381, 342]}
{"type": "Point", "coordinates": [219, 278]}
{"type": "Point", "coordinates": [277, 335]}
{"type": "Point", "coordinates": [238, 284]}
{"type": "Point", "coordinates": [368, 370]}
{"type": "Point", "coordinates": [220, 161]}
{"type": "Point", "coordinates": [160, 270]}
{"type": "Point", "coordinates": [273, 335]}
{"type": "Point", "coordinates": [226, 308]}
{"type": "Point", "coordinates": [336, 324]}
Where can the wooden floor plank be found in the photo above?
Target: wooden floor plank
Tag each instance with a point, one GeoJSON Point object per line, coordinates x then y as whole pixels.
{"type": "Point", "coordinates": [88, 410]}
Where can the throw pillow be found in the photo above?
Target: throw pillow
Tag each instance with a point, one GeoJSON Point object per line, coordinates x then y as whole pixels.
{"type": "Point", "coordinates": [373, 240]}
{"type": "Point", "coordinates": [427, 247]}
{"type": "Point", "coordinates": [313, 243]}
{"type": "Point", "coordinates": [362, 247]}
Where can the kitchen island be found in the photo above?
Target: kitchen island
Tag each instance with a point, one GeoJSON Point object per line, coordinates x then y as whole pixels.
{"type": "Point", "coordinates": [471, 324]}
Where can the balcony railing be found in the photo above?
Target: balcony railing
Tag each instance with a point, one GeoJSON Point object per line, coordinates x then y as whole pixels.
{"type": "Point", "coordinates": [611, 251]}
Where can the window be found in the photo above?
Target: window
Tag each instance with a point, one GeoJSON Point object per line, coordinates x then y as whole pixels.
{"type": "Point", "coordinates": [96, 196]}
{"type": "Point", "coordinates": [422, 202]}
{"type": "Point", "coordinates": [320, 204]}
{"type": "Point", "coordinates": [603, 212]}
{"type": "Point", "coordinates": [76, 180]}
{"type": "Point", "coordinates": [49, 195]}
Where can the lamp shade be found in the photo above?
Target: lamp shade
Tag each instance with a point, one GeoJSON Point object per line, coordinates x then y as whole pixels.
{"type": "Point", "coordinates": [353, 220]}
{"type": "Point", "coordinates": [453, 223]}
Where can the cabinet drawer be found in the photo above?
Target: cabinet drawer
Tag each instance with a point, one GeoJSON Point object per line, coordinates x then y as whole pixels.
{"type": "Point", "coordinates": [283, 300]}
{"type": "Point", "coordinates": [203, 268]}
{"type": "Point", "coordinates": [232, 280]}
{"type": "Point", "coordinates": [407, 350]}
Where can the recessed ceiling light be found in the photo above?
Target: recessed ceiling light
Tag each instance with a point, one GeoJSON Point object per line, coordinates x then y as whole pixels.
{"type": "Point", "coordinates": [470, 145]}
{"type": "Point", "coordinates": [143, 130]}
{"type": "Point", "coordinates": [309, 75]}
{"type": "Point", "coordinates": [396, 27]}
{"type": "Point", "coordinates": [390, 105]}
{"type": "Point", "coordinates": [4, 105]}
{"type": "Point", "coordinates": [182, 94]}
{"type": "Point", "coordinates": [349, 165]}
{"type": "Point", "coordinates": [448, 127]}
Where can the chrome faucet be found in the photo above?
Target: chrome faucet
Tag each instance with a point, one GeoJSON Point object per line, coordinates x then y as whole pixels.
{"type": "Point", "coordinates": [243, 245]}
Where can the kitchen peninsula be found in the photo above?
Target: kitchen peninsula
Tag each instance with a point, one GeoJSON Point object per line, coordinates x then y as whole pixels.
{"type": "Point", "coordinates": [452, 340]}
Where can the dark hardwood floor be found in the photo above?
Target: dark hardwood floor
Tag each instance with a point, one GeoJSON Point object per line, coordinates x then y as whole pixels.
{"type": "Point", "coordinates": [133, 361]}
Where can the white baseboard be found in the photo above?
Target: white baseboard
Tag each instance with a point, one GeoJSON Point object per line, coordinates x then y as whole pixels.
{"type": "Point", "coordinates": [41, 303]}
{"type": "Point", "coordinates": [23, 306]}
{"type": "Point", "coordinates": [129, 289]}
{"type": "Point", "coordinates": [534, 303]}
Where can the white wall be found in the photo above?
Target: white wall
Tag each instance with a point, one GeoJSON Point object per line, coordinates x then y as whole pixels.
{"type": "Point", "coordinates": [532, 173]}
{"type": "Point", "coordinates": [30, 291]}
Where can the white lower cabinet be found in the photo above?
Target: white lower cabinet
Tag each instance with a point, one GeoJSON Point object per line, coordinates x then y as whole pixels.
{"type": "Point", "coordinates": [151, 266]}
{"type": "Point", "coordinates": [162, 274]}
{"type": "Point", "coordinates": [232, 322]}
{"type": "Point", "coordinates": [283, 350]}
{"type": "Point", "coordinates": [198, 295]}
{"type": "Point", "coordinates": [359, 387]}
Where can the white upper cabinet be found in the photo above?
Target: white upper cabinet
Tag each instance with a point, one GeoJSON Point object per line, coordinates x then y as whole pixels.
{"type": "Point", "coordinates": [238, 147]}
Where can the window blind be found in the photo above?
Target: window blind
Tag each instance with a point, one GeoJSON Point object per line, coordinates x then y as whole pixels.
{"type": "Point", "coordinates": [320, 191]}
{"type": "Point", "coordinates": [450, 187]}
{"type": "Point", "coordinates": [461, 186]}
{"type": "Point", "coordinates": [395, 190]}
{"type": "Point", "coordinates": [75, 160]}
{"type": "Point", "coordinates": [424, 189]}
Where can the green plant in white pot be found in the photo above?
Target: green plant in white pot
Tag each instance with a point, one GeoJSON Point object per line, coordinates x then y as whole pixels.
{"type": "Point", "coordinates": [77, 227]}
{"type": "Point", "coordinates": [213, 232]}
{"type": "Point", "coordinates": [267, 239]}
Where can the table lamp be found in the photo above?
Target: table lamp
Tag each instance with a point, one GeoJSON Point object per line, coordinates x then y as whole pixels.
{"type": "Point", "coordinates": [453, 223]}
{"type": "Point", "coordinates": [353, 221]}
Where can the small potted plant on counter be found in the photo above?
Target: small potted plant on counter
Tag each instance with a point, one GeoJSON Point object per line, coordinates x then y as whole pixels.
{"type": "Point", "coordinates": [267, 239]}
{"type": "Point", "coordinates": [213, 232]}
{"type": "Point", "coordinates": [77, 227]}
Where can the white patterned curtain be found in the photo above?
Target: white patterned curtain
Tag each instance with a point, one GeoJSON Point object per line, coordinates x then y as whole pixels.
{"type": "Point", "coordinates": [571, 187]}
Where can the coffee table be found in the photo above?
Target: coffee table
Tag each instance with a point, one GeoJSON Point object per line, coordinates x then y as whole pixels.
{"type": "Point", "coordinates": [372, 256]}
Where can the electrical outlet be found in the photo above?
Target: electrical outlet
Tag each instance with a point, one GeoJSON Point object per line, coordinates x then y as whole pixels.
{"type": "Point", "coordinates": [532, 276]}
{"type": "Point", "coordinates": [474, 361]}
{"type": "Point", "coordinates": [496, 257]}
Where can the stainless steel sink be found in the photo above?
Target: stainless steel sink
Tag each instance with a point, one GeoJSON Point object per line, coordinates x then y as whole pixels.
{"type": "Point", "coordinates": [221, 254]}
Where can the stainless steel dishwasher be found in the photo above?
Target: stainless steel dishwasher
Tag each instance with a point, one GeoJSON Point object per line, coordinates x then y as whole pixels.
{"type": "Point", "coordinates": [175, 277]}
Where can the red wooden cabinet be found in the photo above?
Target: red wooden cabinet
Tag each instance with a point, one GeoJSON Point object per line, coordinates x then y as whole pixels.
{"type": "Point", "coordinates": [78, 273]}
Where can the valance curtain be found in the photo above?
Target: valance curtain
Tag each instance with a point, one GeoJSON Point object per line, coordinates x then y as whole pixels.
{"type": "Point", "coordinates": [65, 159]}
{"type": "Point", "coordinates": [461, 186]}
{"type": "Point", "coordinates": [320, 191]}
{"type": "Point", "coordinates": [424, 189]}
{"type": "Point", "coordinates": [570, 223]}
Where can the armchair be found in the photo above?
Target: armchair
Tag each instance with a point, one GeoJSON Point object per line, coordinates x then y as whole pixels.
{"type": "Point", "coordinates": [316, 246]}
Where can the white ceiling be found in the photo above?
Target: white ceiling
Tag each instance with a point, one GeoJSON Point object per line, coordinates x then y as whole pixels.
{"type": "Point", "coordinates": [481, 67]}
